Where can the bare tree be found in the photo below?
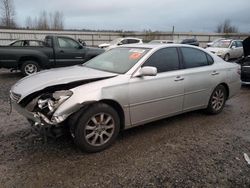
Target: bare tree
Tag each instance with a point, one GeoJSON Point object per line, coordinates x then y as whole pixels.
{"type": "Point", "coordinates": [46, 21]}
{"type": "Point", "coordinates": [29, 23]}
{"type": "Point", "coordinates": [57, 22]}
{"type": "Point", "coordinates": [7, 14]}
{"type": "Point", "coordinates": [226, 27]}
{"type": "Point", "coordinates": [43, 22]}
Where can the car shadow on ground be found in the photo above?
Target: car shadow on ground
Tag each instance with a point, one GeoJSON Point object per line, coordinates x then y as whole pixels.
{"type": "Point", "coordinates": [245, 87]}
{"type": "Point", "coordinates": [10, 75]}
{"type": "Point", "coordinates": [28, 142]}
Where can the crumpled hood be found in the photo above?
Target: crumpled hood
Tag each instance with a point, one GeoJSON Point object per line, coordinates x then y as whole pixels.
{"type": "Point", "coordinates": [59, 76]}
{"type": "Point", "coordinates": [215, 50]}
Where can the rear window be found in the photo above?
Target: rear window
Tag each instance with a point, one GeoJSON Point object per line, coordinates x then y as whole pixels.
{"type": "Point", "coordinates": [195, 58]}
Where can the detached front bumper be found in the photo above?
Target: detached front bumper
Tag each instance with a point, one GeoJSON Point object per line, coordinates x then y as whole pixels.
{"type": "Point", "coordinates": [36, 118]}
{"type": "Point", "coordinates": [40, 124]}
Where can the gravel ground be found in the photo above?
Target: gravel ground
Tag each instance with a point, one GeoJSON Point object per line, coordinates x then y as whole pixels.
{"type": "Point", "coordinates": [189, 150]}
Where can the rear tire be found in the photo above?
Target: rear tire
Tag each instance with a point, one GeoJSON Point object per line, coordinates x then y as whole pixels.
{"type": "Point", "coordinates": [97, 128]}
{"type": "Point", "coordinates": [217, 100]}
{"type": "Point", "coordinates": [30, 67]}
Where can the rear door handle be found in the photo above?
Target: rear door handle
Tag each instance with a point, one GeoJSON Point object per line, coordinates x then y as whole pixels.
{"type": "Point", "coordinates": [61, 51]}
{"type": "Point", "coordinates": [178, 78]}
{"type": "Point", "coordinates": [215, 73]}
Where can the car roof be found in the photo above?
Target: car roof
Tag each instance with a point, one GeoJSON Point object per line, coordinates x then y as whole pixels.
{"type": "Point", "coordinates": [230, 40]}
{"type": "Point", "coordinates": [161, 40]}
{"type": "Point", "coordinates": [156, 46]}
{"type": "Point", "coordinates": [131, 38]}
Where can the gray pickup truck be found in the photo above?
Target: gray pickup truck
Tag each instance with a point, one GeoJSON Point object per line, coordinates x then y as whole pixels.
{"type": "Point", "coordinates": [59, 51]}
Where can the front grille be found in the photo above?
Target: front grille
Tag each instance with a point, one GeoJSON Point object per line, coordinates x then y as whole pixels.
{"type": "Point", "coordinates": [14, 96]}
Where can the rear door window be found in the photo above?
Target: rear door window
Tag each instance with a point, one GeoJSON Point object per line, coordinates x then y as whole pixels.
{"type": "Point", "coordinates": [195, 58]}
{"type": "Point", "coordinates": [18, 43]}
{"type": "Point", "coordinates": [131, 41]}
{"type": "Point", "coordinates": [239, 44]}
{"type": "Point", "coordinates": [124, 41]}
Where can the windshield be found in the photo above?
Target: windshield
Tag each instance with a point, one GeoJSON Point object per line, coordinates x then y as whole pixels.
{"type": "Point", "coordinates": [115, 41]}
{"type": "Point", "coordinates": [222, 44]}
{"type": "Point", "coordinates": [117, 60]}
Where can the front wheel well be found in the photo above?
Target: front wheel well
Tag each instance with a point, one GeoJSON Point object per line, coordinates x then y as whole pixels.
{"type": "Point", "coordinates": [73, 118]}
{"type": "Point", "coordinates": [119, 110]}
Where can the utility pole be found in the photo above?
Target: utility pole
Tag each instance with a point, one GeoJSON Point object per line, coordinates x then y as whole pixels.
{"type": "Point", "coordinates": [173, 33]}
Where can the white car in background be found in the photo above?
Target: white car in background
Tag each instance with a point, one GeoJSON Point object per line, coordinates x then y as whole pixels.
{"type": "Point", "coordinates": [120, 41]}
{"type": "Point", "coordinates": [214, 41]}
{"type": "Point", "coordinates": [227, 49]}
{"type": "Point", "coordinates": [161, 42]}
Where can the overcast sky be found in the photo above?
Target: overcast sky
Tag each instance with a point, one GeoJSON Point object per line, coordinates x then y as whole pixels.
{"type": "Point", "coordinates": [185, 15]}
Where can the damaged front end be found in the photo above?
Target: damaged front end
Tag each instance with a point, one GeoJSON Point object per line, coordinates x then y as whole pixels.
{"type": "Point", "coordinates": [40, 111]}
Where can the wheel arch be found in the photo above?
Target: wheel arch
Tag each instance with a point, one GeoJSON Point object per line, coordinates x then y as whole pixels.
{"type": "Point", "coordinates": [119, 110]}
{"type": "Point", "coordinates": [28, 58]}
{"type": "Point", "coordinates": [73, 118]}
{"type": "Point", "coordinates": [226, 87]}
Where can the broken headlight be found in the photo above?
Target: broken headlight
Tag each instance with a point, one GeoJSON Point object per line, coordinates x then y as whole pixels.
{"type": "Point", "coordinates": [48, 103]}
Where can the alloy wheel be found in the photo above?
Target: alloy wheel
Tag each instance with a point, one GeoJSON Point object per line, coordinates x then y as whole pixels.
{"type": "Point", "coordinates": [218, 99]}
{"type": "Point", "coordinates": [99, 129]}
{"type": "Point", "coordinates": [30, 69]}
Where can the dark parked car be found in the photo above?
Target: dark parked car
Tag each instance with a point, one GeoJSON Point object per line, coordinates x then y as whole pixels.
{"type": "Point", "coordinates": [59, 51]}
{"type": "Point", "coordinates": [193, 42]}
{"type": "Point", "coordinates": [245, 62]}
{"type": "Point", "coordinates": [27, 43]}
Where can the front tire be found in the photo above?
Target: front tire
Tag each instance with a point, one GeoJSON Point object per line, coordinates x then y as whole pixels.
{"type": "Point", "coordinates": [30, 67]}
{"type": "Point", "coordinates": [97, 128]}
{"type": "Point", "coordinates": [227, 57]}
{"type": "Point", "coordinates": [217, 100]}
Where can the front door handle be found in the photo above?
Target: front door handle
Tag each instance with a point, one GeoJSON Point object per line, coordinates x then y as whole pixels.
{"type": "Point", "coordinates": [61, 51]}
{"type": "Point", "coordinates": [215, 73]}
{"type": "Point", "coordinates": [178, 78]}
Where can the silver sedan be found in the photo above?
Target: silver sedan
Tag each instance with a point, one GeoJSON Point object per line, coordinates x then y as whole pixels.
{"type": "Point", "coordinates": [125, 87]}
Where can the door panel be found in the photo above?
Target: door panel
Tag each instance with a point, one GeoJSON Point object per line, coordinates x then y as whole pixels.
{"type": "Point", "coordinates": [153, 97]}
{"type": "Point", "coordinates": [198, 83]}
{"type": "Point", "coordinates": [200, 74]}
{"type": "Point", "coordinates": [68, 52]}
{"type": "Point", "coordinates": [233, 50]}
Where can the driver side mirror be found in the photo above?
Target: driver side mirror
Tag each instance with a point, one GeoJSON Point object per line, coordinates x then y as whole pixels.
{"type": "Point", "coordinates": [147, 71]}
{"type": "Point", "coordinates": [119, 43]}
{"type": "Point", "coordinates": [233, 47]}
{"type": "Point", "coordinates": [82, 42]}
